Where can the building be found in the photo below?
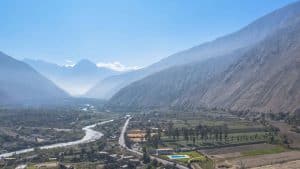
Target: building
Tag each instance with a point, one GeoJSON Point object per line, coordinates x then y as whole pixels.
{"type": "Point", "coordinates": [164, 151]}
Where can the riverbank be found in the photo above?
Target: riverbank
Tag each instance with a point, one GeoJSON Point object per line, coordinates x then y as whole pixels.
{"type": "Point", "coordinates": [90, 136]}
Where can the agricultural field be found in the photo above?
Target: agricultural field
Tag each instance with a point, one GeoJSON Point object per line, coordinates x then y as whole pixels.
{"type": "Point", "coordinates": [209, 129]}
{"type": "Point", "coordinates": [254, 155]}
{"type": "Point", "coordinates": [218, 138]}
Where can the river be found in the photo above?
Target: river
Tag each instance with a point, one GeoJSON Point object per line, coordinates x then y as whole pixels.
{"type": "Point", "coordinates": [90, 136]}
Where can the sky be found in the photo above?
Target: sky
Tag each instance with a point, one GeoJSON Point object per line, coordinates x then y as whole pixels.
{"type": "Point", "coordinates": [125, 33]}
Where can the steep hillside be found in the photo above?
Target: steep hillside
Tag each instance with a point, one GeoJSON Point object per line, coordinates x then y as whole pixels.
{"type": "Point", "coordinates": [162, 88]}
{"type": "Point", "coordinates": [267, 78]}
{"type": "Point", "coordinates": [20, 84]}
{"type": "Point", "coordinates": [264, 78]}
{"type": "Point", "coordinates": [245, 37]}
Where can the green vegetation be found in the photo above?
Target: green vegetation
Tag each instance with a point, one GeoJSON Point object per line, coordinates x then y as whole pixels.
{"type": "Point", "coordinates": [278, 149]}
{"type": "Point", "coordinates": [184, 131]}
{"type": "Point", "coordinates": [212, 128]}
{"type": "Point", "coordinates": [31, 127]}
{"type": "Point", "coordinates": [195, 157]}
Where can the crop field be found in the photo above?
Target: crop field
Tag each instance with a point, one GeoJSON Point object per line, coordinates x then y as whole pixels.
{"type": "Point", "coordinates": [254, 155]}
{"type": "Point", "coordinates": [222, 139]}
{"type": "Point", "coordinates": [274, 150]}
{"type": "Point", "coordinates": [207, 129]}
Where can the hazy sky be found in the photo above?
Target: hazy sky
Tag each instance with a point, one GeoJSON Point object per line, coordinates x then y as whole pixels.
{"type": "Point", "coordinates": [132, 32]}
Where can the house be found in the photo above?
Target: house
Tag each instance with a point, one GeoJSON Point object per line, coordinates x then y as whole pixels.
{"type": "Point", "coordinates": [135, 161]}
{"type": "Point", "coordinates": [164, 151]}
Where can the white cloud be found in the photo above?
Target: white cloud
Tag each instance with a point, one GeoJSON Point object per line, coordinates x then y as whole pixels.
{"type": "Point", "coordinates": [117, 66]}
{"type": "Point", "coordinates": [69, 63]}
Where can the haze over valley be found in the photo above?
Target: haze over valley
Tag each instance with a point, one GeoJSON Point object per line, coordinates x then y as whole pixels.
{"type": "Point", "coordinates": [146, 84]}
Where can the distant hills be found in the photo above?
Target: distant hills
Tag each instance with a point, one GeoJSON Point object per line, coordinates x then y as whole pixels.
{"type": "Point", "coordinates": [76, 79]}
{"type": "Point", "coordinates": [256, 68]}
{"type": "Point", "coordinates": [246, 37]}
{"type": "Point", "coordinates": [21, 84]}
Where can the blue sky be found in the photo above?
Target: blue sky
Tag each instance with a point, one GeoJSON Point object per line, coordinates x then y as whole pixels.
{"type": "Point", "coordinates": [132, 32]}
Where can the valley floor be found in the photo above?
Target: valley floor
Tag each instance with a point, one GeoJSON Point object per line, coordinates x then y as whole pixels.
{"type": "Point", "coordinates": [287, 165]}
{"type": "Point", "coordinates": [208, 139]}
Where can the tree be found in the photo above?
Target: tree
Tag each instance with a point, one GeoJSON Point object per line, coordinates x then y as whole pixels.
{"type": "Point", "coordinates": [194, 140]}
{"type": "Point", "coordinates": [146, 157]}
{"type": "Point", "coordinates": [285, 139]}
{"type": "Point", "coordinates": [148, 134]}
{"type": "Point", "coordinates": [159, 133]}
{"type": "Point", "coordinates": [61, 166]}
{"type": "Point", "coordinates": [170, 128]}
{"type": "Point", "coordinates": [155, 163]}
{"type": "Point", "coordinates": [155, 141]}
{"type": "Point", "coordinates": [177, 133]}
{"type": "Point", "coordinates": [225, 128]}
{"type": "Point", "coordinates": [186, 134]}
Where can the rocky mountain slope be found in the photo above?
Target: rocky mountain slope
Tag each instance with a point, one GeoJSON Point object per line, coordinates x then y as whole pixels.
{"type": "Point", "coordinates": [267, 78]}
{"type": "Point", "coordinates": [21, 84]}
{"type": "Point", "coordinates": [262, 77]}
{"type": "Point", "coordinates": [249, 35]}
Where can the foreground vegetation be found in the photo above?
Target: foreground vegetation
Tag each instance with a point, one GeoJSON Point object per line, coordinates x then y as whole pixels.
{"type": "Point", "coordinates": [32, 127]}
{"type": "Point", "coordinates": [278, 149]}
{"type": "Point", "coordinates": [196, 134]}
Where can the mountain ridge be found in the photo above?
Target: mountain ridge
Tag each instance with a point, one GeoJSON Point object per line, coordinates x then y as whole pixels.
{"type": "Point", "coordinates": [157, 90]}
{"type": "Point", "coordinates": [247, 36]}
{"type": "Point", "coordinates": [21, 84]}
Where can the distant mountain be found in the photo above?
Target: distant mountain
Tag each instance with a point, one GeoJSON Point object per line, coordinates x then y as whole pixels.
{"type": "Point", "coordinates": [107, 87]}
{"type": "Point", "coordinates": [75, 79]}
{"type": "Point", "coordinates": [264, 76]}
{"type": "Point", "coordinates": [250, 35]}
{"type": "Point", "coordinates": [21, 84]}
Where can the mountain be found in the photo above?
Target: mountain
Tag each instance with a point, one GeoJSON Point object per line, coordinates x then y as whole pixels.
{"type": "Point", "coordinates": [249, 35]}
{"type": "Point", "coordinates": [21, 84]}
{"type": "Point", "coordinates": [261, 77]}
{"type": "Point", "coordinates": [162, 88]}
{"type": "Point", "coordinates": [267, 78]}
{"type": "Point", "coordinates": [107, 87]}
{"type": "Point", "coordinates": [75, 79]}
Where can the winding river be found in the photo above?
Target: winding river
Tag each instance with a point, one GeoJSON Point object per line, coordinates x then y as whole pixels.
{"type": "Point", "coordinates": [90, 136]}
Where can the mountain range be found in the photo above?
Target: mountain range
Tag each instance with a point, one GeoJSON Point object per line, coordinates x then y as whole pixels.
{"type": "Point", "coordinates": [76, 79]}
{"type": "Point", "coordinates": [244, 38]}
{"type": "Point", "coordinates": [256, 68]}
{"type": "Point", "coordinates": [21, 84]}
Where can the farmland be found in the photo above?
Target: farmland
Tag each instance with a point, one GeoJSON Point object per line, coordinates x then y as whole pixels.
{"type": "Point", "coordinates": [219, 138]}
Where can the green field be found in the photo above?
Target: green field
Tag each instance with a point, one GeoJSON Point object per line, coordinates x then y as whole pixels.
{"type": "Point", "coordinates": [278, 149]}
{"type": "Point", "coordinates": [239, 131]}
{"type": "Point", "coordinates": [211, 142]}
{"type": "Point", "coordinates": [195, 157]}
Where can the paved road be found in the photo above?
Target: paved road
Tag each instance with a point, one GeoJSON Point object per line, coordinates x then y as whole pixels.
{"type": "Point", "coordinates": [123, 145]}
